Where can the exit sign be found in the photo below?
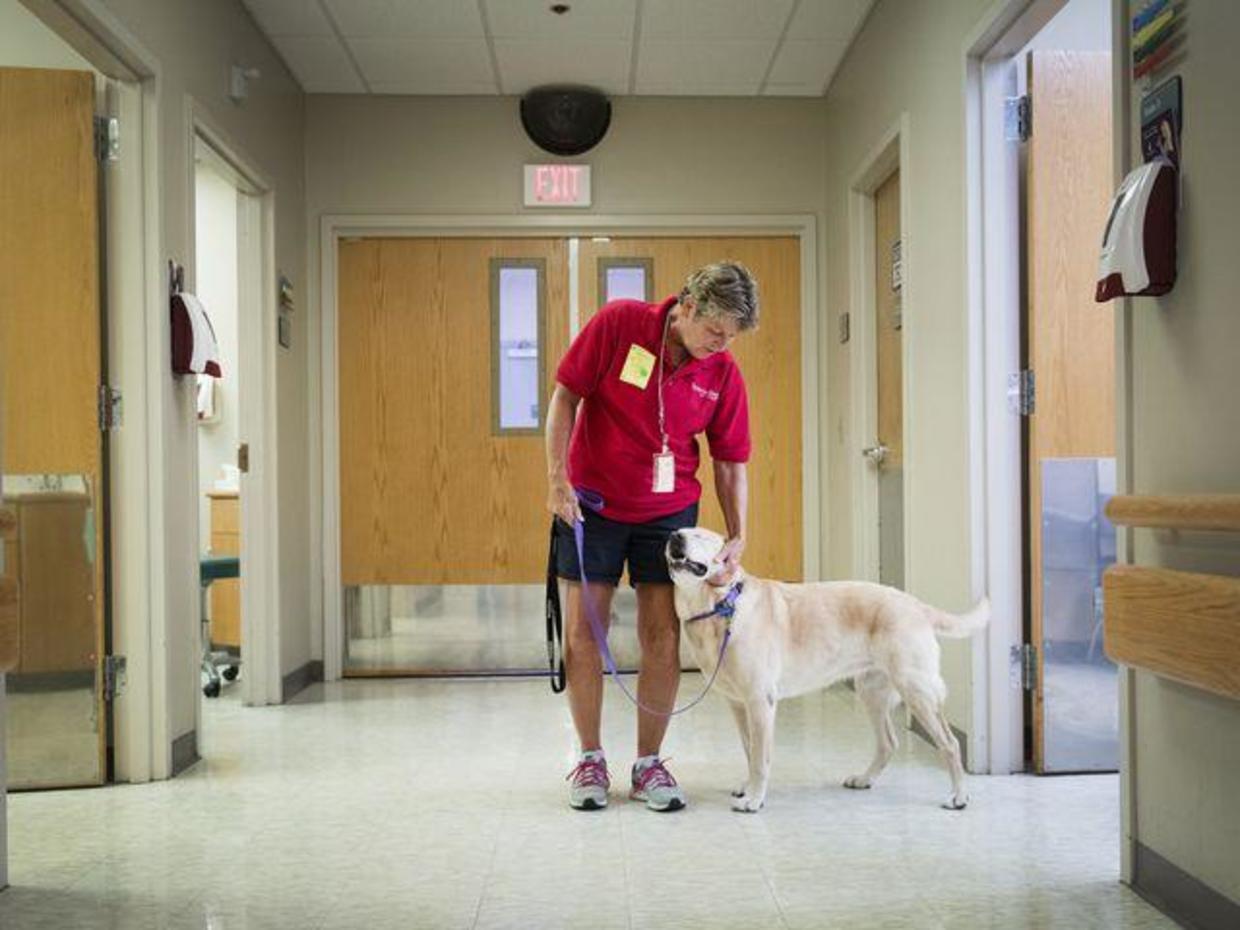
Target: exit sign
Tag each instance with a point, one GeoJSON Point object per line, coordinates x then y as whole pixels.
{"type": "Point", "coordinates": [557, 185]}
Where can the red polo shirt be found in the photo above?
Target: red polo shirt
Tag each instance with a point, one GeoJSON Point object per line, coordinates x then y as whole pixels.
{"type": "Point", "coordinates": [616, 435]}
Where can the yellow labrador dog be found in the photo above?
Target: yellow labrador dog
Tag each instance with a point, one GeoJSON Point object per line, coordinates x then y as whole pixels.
{"type": "Point", "coordinates": [789, 639]}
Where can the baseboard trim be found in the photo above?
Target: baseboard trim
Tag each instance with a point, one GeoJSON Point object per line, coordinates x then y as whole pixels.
{"type": "Point", "coordinates": [184, 752]}
{"type": "Point", "coordinates": [961, 737]}
{"type": "Point", "coordinates": [300, 679]}
{"type": "Point", "coordinates": [1179, 895]}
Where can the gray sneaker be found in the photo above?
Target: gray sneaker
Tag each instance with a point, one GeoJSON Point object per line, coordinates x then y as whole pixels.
{"type": "Point", "coordinates": [589, 782]}
{"type": "Point", "coordinates": [654, 784]}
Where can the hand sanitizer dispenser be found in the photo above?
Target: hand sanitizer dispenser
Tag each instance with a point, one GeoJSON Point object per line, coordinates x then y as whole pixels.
{"type": "Point", "coordinates": [1138, 247]}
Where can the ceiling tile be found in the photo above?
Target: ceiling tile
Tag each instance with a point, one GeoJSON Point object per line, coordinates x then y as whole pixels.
{"type": "Point", "coordinates": [526, 63]}
{"type": "Point", "coordinates": [533, 19]}
{"type": "Point", "coordinates": [716, 90]}
{"type": "Point", "coordinates": [696, 20]}
{"type": "Point", "coordinates": [432, 64]}
{"type": "Point", "coordinates": [436, 87]}
{"type": "Point", "coordinates": [792, 90]}
{"type": "Point", "coordinates": [421, 19]}
{"type": "Point", "coordinates": [807, 62]}
{"type": "Point", "coordinates": [290, 17]}
{"type": "Point", "coordinates": [321, 65]}
{"type": "Point", "coordinates": [719, 68]}
{"type": "Point", "coordinates": [828, 19]}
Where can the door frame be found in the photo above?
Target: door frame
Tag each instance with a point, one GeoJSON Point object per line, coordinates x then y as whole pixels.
{"type": "Point", "coordinates": [889, 154]}
{"type": "Point", "coordinates": [261, 683]}
{"type": "Point", "coordinates": [334, 227]}
{"type": "Point", "coordinates": [993, 238]}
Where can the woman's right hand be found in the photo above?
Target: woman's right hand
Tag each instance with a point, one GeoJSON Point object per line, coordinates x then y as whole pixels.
{"type": "Point", "coordinates": [562, 501]}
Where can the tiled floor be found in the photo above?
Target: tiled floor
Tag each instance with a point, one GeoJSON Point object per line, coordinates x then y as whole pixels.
{"type": "Point", "coordinates": [441, 804]}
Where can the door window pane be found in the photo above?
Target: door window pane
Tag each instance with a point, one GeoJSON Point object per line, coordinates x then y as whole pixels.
{"type": "Point", "coordinates": [626, 278]}
{"type": "Point", "coordinates": [517, 316]}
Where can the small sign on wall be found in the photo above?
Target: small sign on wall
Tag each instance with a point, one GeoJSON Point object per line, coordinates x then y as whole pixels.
{"type": "Point", "coordinates": [557, 185]}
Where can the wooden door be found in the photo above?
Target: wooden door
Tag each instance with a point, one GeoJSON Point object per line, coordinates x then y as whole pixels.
{"type": "Point", "coordinates": [1069, 339]}
{"type": "Point", "coordinates": [50, 364]}
{"type": "Point", "coordinates": [770, 360]}
{"type": "Point", "coordinates": [888, 457]}
{"type": "Point", "coordinates": [430, 493]}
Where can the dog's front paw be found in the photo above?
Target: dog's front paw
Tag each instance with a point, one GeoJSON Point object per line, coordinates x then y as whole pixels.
{"type": "Point", "coordinates": [748, 804]}
{"type": "Point", "coordinates": [738, 792]}
{"type": "Point", "coordinates": [957, 802]}
{"type": "Point", "coordinates": [857, 782]}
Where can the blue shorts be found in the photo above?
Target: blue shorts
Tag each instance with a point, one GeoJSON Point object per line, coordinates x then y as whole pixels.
{"type": "Point", "coordinates": [609, 544]}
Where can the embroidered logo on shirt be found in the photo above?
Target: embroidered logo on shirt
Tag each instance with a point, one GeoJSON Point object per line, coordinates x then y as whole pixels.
{"type": "Point", "coordinates": [702, 392]}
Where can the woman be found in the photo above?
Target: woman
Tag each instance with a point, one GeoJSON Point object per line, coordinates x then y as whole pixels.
{"type": "Point", "coordinates": [634, 390]}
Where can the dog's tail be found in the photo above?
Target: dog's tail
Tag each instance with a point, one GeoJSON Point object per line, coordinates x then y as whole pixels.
{"type": "Point", "coordinates": [959, 626]}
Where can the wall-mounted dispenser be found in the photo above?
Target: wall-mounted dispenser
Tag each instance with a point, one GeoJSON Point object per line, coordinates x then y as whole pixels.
{"type": "Point", "coordinates": [1138, 247]}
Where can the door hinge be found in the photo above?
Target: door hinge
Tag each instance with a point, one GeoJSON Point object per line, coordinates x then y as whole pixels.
{"type": "Point", "coordinates": [111, 409]}
{"type": "Point", "coordinates": [1022, 392]}
{"type": "Point", "coordinates": [115, 676]}
{"type": "Point", "coordinates": [107, 139]}
{"type": "Point", "coordinates": [1017, 118]}
{"type": "Point", "coordinates": [1023, 667]}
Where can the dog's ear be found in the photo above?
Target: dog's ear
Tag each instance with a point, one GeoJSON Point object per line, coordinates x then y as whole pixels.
{"type": "Point", "coordinates": [713, 576]}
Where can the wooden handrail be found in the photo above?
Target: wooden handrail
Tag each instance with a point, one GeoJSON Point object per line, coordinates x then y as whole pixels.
{"type": "Point", "coordinates": [1177, 511]}
{"type": "Point", "coordinates": [1178, 625]}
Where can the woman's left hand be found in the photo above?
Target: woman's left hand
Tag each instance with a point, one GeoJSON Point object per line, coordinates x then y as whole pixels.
{"type": "Point", "coordinates": [729, 560]}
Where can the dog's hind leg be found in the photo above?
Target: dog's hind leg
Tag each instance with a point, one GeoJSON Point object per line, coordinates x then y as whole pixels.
{"type": "Point", "coordinates": [880, 698]}
{"type": "Point", "coordinates": [761, 713]}
{"type": "Point", "coordinates": [742, 724]}
{"type": "Point", "coordinates": [925, 699]}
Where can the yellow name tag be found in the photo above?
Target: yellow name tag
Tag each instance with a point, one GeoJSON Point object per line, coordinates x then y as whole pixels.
{"type": "Point", "coordinates": [637, 367]}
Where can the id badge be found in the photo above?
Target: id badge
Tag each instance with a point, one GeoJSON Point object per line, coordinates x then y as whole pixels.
{"type": "Point", "coordinates": [637, 367]}
{"type": "Point", "coordinates": [664, 472]}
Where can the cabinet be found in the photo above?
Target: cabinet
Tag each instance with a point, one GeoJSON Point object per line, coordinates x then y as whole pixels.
{"type": "Point", "coordinates": [226, 593]}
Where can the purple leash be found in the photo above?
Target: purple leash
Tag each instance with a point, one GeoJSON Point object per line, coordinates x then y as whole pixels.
{"type": "Point", "coordinates": [725, 608]}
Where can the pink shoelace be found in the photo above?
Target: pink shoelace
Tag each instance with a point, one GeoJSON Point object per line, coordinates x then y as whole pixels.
{"type": "Point", "coordinates": [589, 773]}
{"type": "Point", "coordinates": [655, 775]}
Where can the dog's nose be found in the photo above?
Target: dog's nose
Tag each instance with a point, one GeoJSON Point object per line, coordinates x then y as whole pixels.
{"type": "Point", "coordinates": [676, 545]}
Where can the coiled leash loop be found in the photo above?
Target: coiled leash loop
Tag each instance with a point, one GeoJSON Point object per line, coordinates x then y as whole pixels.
{"type": "Point", "coordinates": [724, 608]}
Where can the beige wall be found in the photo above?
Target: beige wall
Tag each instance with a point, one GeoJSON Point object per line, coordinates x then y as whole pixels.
{"type": "Point", "coordinates": [464, 155]}
{"type": "Point", "coordinates": [26, 43]}
{"type": "Point", "coordinates": [1185, 744]}
{"type": "Point", "coordinates": [909, 58]}
{"type": "Point", "coordinates": [195, 43]}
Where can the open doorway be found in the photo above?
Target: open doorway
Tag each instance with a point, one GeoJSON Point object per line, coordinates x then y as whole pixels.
{"type": "Point", "coordinates": [234, 277]}
{"type": "Point", "coordinates": [1043, 125]}
{"type": "Point", "coordinates": [218, 405]}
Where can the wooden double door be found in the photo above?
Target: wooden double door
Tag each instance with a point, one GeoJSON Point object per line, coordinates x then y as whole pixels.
{"type": "Point", "coordinates": [431, 491]}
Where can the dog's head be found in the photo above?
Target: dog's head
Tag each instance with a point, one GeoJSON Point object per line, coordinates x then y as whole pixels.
{"type": "Point", "coordinates": [692, 556]}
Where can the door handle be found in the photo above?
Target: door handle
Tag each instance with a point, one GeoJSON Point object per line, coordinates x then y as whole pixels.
{"type": "Point", "coordinates": [243, 457]}
{"type": "Point", "coordinates": [877, 454]}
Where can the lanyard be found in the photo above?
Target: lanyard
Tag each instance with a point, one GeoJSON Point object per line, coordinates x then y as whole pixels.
{"type": "Point", "coordinates": [662, 351]}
